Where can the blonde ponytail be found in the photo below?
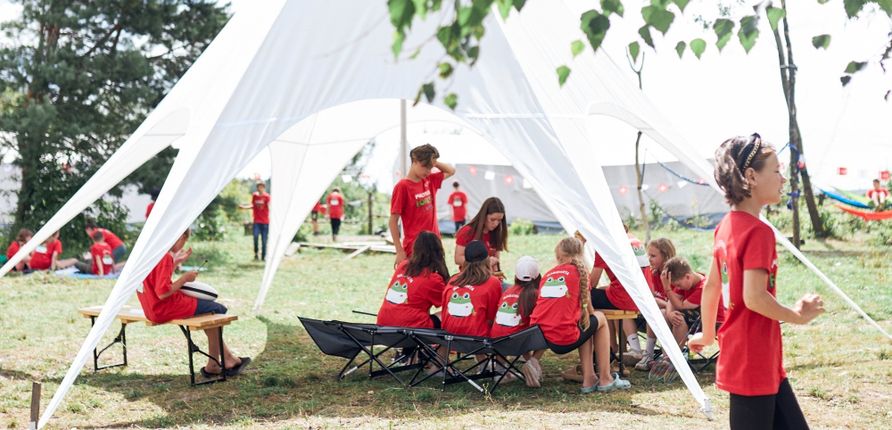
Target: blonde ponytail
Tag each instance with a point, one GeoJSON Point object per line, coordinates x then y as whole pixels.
{"type": "Point", "coordinates": [572, 247]}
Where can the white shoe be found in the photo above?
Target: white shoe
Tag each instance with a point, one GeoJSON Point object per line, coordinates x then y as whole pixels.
{"type": "Point", "coordinates": [645, 363]}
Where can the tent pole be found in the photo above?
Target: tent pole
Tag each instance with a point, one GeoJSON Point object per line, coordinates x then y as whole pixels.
{"type": "Point", "coordinates": [404, 144]}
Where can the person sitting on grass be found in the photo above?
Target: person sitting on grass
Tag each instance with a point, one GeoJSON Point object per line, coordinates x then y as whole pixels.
{"type": "Point", "coordinates": [119, 250]}
{"type": "Point", "coordinates": [878, 195]}
{"type": "Point", "coordinates": [103, 262]}
{"type": "Point", "coordinates": [46, 255]}
{"type": "Point", "coordinates": [569, 322]}
{"type": "Point", "coordinates": [20, 240]}
{"type": "Point", "coordinates": [416, 286]}
{"type": "Point", "coordinates": [162, 301]}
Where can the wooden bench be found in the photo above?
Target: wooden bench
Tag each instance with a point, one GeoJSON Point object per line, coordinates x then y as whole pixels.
{"type": "Point", "coordinates": [129, 315]}
{"type": "Point", "coordinates": [619, 315]}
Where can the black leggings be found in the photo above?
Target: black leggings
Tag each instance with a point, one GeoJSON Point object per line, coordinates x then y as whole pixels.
{"type": "Point", "coordinates": [600, 300]}
{"type": "Point", "coordinates": [777, 411]}
{"type": "Point", "coordinates": [584, 336]}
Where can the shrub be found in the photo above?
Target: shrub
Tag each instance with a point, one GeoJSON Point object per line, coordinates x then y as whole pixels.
{"type": "Point", "coordinates": [521, 227]}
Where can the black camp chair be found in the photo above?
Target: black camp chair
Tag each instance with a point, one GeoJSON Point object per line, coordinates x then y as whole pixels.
{"type": "Point", "coordinates": [352, 340]}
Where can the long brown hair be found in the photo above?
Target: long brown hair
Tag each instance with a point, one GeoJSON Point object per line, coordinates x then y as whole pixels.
{"type": "Point", "coordinates": [474, 273]}
{"type": "Point", "coordinates": [427, 254]}
{"type": "Point", "coordinates": [23, 235]}
{"type": "Point", "coordinates": [529, 293]}
{"type": "Point", "coordinates": [572, 247]}
{"type": "Point", "coordinates": [498, 238]}
{"type": "Point", "coordinates": [666, 248]}
{"type": "Point", "coordinates": [733, 157]}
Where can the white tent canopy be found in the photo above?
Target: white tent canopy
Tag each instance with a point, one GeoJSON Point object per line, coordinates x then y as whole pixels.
{"type": "Point", "coordinates": [275, 66]}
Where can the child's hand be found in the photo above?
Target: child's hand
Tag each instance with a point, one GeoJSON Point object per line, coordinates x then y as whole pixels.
{"type": "Point", "coordinates": [181, 256]}
{"type": "Point", "coordinates": [808, 308]}
{"type": "Point", "coordinates": [698, 342]}
{"type": "Point", "coordinates": [400, 256]}
{"type": "Point", "coordinates": [190, 276]}
{"type": "Point", "coordinates": [664, 279]}
{"type": "Point", "coordinates": [676, 318]}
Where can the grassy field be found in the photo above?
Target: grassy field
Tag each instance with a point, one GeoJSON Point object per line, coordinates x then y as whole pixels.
{"type": "Point", "coordinates": [840, 367]}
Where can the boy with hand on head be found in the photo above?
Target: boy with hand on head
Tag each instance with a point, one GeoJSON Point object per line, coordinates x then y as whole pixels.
{"type": "Point", "coordinates": [413, 201]}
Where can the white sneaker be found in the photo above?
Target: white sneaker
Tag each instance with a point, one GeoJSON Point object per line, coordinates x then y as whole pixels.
{"type": "Point", "coordinates": [645, 363]}
{"type": "Point", "coordinates": [531, 374]}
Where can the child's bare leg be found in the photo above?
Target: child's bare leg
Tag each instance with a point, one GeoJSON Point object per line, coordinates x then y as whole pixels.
{"type": "Point", "coordinates": [231, 360]}
{"type": "Point", "coordinates": [601, 341]}
{"type": "Point", "coordinates": [585, 356]}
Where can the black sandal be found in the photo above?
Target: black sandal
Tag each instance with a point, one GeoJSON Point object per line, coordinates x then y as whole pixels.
{"type": "Point", "coordinates": [237, 370]}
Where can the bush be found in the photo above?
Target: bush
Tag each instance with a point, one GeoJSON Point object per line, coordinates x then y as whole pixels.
{"type": "Point", "coordinates": [521, 227]}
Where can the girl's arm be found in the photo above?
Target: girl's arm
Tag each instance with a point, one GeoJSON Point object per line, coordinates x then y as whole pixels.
{"type": "Point", "coordinates": [759, 300]}
{"type": "Point", "coordinates": [709, 307]}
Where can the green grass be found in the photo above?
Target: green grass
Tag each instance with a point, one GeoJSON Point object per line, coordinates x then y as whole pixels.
{"type": "Point", "coordinates": [839, 366]}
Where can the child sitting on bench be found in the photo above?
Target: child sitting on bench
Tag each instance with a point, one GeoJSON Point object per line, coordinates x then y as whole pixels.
{"type": "Point", "coordinates": [162, 301]}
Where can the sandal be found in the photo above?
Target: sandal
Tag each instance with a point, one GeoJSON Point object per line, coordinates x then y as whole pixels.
{"type": "Point", "coordinates": [237, 370]}
{"type": "Point", "coordinates": [210, 375]}
{"type": "Point", "coordinates": [617, 384]}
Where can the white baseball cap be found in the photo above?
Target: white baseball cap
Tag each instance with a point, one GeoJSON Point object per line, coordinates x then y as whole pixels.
{"type": "Point", "coordinates": [527, 268]}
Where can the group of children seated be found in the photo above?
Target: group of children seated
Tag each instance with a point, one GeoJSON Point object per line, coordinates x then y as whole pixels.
{"type": "Point", "coordinates": [106, 255]}
{"type": "Point", "coordinates": [564, 301]}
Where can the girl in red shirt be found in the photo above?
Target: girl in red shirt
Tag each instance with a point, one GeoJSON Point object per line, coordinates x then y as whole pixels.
{"type": "Point", "coordinates": [743, 274]}
{"type": "Point", "coordinates": [471, 299]}
{"type": "Point", "coordinates": [46, 255]}
{"type": "Point", "coordinates": [416, 286]}
{"type": "Point", "coordinates": [22, 238]}
{"type": "Point", "coordinates": [489, 225]}
{"type": "Point", "coordinates": [162, 301]}
{"type": "Point", "coordinates": [569, 322]}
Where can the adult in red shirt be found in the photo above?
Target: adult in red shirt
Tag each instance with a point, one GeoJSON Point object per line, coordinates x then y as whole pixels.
{"type": "Point", "coordinates": [22, 238]}
{"type": "Point", "coordinates": [335, 203]}
{"type": "Point", "coordinates": [471, 298]}
{"type": "Point", "coordinates": [101, 253]}
{"type": "Point", "coordinates": [119, 250]}
{"type": "Point", "coordinates": [878, 195]}
{"type": "Point", "coordinates": [151, 205]}
{"type": "Point", "coordinates": [416, 286]}
{"type": "Point", "coordinates": [743, 275]}
{"type": "Point", "coordinates": [569, 322]}
{"type": "Point", "coordinates": [260, 211]}
{"type": "Point", "coordinates": [413, 201]}
{"type": "Point", "coordinates": [458, 201]}
{"type": "Point", "coordinates": [162, 301]}
{"type": "Point", "coordinates": [489, 226]}
{"type": "Point", "coordinates": [46, 255]}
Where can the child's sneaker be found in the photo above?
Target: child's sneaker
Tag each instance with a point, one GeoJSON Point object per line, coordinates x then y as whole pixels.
{"type": "Point", "coordinates": [645, 363]}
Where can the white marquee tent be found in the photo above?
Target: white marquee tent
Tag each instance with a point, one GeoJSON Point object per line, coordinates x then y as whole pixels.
{"type": "Point", "coordinates": [273, 67]}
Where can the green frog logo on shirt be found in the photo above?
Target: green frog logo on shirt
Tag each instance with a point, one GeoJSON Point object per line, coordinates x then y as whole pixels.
{"type": "Point", "coordinates": [507, 315]}
{"type": "Point", "coordinates": [554, 288]}
{"type": "Point", "coordinates": [460, 304]}
{"type": "Point", "coordinates": [398, 293]}
{"type": "Point", "coordinates": [721, 252]}
{"type": "Point", "coordinates": [772, 275]}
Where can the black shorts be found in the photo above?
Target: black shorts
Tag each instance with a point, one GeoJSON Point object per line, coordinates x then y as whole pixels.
{"type": "Point", "coordinates": [584, 336]}
{"type": "Point", "coordinates": [691, 316]}
{"type": "Point", "coordinates": [600, 300]}
{"type": "Point", "coordinates": [436, 320]}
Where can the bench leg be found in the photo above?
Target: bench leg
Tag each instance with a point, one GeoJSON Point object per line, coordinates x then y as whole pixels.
{"type": "Point", "coordinates": [193, 348]}
{"type": "Point", "coordinates": [622, 347]}
{"type": "Point", "coordinates": [120, 338]}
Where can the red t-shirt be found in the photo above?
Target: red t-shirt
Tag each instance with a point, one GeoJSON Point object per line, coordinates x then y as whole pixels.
{"type": "Point", "coordinates": [751, 363]}
{"type": "Point", "coordinates": [459, 203]}
{"type": "Point", "coordinates": [335, 206]}
{"type": "Point", "coordinates": [471, 309]}
{"type": "Point", "coordinates": [409, 299]}
{"type": "Point", "coordinates": [110, 238]}
{"type": "Point", "coordinates": [415, 203]}
{"type": "Point", "coordinates": [102, 254]}
{"type": "Point", "coordinates": [558, 307]}
{"type": "Point", "coordinates": [656, 284]}
{"type": "Point", "coordinates": [318, 208]}
{"type": "Point", "coordinates": [695, 296]}
{"type": "Point", "coordinates": [158, 282]}
{"type": "Point", "coordinates": [42, 257]}
{"type": "Point", "coordinates": [616, 292]}
{"type": "Point", "coordinates": [879, 195]}
{"type": "Point", "coordinates": [260, 207]}
{"type": "Point", "coordinates": [13, 248]}
{"type": "Point", "coordinates": [508, 319]}
{"type": "Point", "coordinates": [465, 235]}
{"type": "Point", "coordinates": [149, 209]}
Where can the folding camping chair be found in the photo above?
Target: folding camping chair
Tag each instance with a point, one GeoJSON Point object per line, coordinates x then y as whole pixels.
{"type": "Point", "coordinates": [698, 361]}
{"type": "Point", "coordinates": [467, 347]}
{"type": "Point", "coordinates": [350, 340]}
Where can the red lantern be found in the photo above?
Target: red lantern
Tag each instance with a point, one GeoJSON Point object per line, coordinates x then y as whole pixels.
{"type": "Point", "coordinates": [842, 171]}
{"type": "Point", "coordinates": [623, 189]}
{"type": "Point", "coordinates": [509, 180]}
{"type": "Point", "coordinates": [663, 188]}
{"type": "Point", "coordinates": [885, 175]}
{"type": "Point", "coordinates": [472, 170]}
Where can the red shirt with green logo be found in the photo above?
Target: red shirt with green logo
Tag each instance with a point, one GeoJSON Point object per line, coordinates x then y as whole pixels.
{"type": "Point", "coordinates": [558, 307]}
{"type": "Point", "coordinates": [415, 203]}
{"type": "Point", "coordinates": [471, 309]}
{"type": "Point", "coordinates": [409, 299]}
{"type": "Point", "coordinates": [508, 319]}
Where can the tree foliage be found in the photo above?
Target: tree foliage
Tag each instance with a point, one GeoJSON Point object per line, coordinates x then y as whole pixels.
{"type": "Point", "coordinates": [78, 77]}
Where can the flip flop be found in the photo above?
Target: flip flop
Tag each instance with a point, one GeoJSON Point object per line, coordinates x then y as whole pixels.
{"type": "Point", "coordinates": [209, 375]}
{"type": "Point", "coordinates": [235, 371]}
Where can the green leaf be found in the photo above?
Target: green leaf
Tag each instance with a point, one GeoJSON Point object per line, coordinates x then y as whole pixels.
{"type": "Point", "coordinates": [445, 70]}
{"type": "Point", "coordinates": [634, 49]}
{"type": "Point", "coordinates": [886, 6]}
{"type": "Point", "coordinates": [451, 100]}
{"type": "Point", "coordinates": [577, 47]}
{"type": "Point", "coordinates": [397, 46]}
{"type": "Point", "coordinates": [821, 41]}
{"type": "Point", "coordinates": [698, 46]}
{"type": "Point", "coordinates": [775, 14]}
{"type": "Point", "coordinates": [723, 28]}
{"type": "Point", "coordinates": [749, 32]}
{"type": "Point", "coordinates": [518, 4]}
{"type": "Point", "coordinates": [428, 91]}
{"type": "Point", "coordinates": [845, 79]}
{"type": "Point", "coordinates": [595, 26]}
{"type": "Point", "coordinates": [679, 48]}
{"type": "Point", "coordinates": [505, 8]}
{"type": "Point", "coordinates": [681, 4]}
{"type": "Point", "coordinates": [563, 72]}
{"type": "Point", "coordinates": [401, 13]}
{"type": "Point", "coordinates": [473, 54]}
{"type": "Point", "coordinates": [420, 8]}
{"type": "Point", "coordinates": [658, 17]}
{"type": "Point", "coordinates": [855, 67]}
{"type": "Point", "coordinates": [644, 32]}
{"type": "Point", "coordinates": [612, 6]}
{"type": "Point", "coordinates": [853, 7]}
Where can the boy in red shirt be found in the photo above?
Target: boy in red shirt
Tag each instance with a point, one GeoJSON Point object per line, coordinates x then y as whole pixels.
{"type": "Point", "coordinates": [260, 212]}
{"type": "Point", "coordinates": [335, 211]}
{"type": "Point", "coordinates": [119, 250]}
{"type": "Point", "coordinates": [413, 201]}
{"type": "Point", "coordinates": [742, 277]}
{"type": "Point", "coordinates": [458, 201]}
{"type": "Point", "coordinates": [162, 301]}
{"type": "Point", "coordinates": [878, 195]}
{"type": "Point", "coordinates": [684, 298]}
{"type": "Point", "coordinates": [103, 262]}
{"type": "Point", "coordinates": [22, 238]}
